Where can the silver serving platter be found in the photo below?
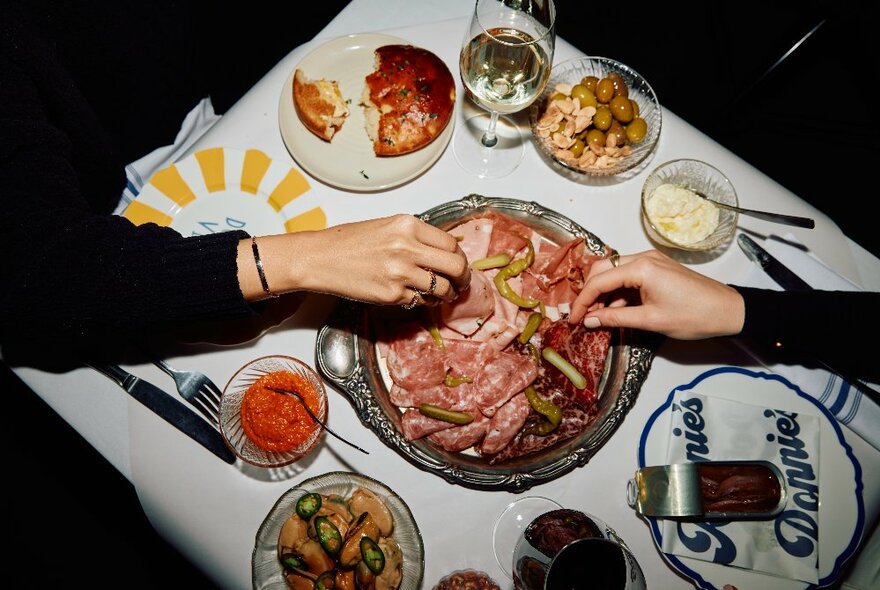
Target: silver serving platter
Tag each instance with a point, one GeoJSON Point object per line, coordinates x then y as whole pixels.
{"type": "Point", "coordinates": [346, 356]}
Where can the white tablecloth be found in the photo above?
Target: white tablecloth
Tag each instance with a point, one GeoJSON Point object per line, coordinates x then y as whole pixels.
{"type": "Point", "coordinates": [210, 511]}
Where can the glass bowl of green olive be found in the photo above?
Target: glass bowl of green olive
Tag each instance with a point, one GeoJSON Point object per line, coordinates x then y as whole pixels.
{"type": "Point", "coordinates": [596, 117]}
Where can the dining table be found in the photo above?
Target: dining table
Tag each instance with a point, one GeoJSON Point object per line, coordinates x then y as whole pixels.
{"type": "Point", "coordinates": [210, 510]}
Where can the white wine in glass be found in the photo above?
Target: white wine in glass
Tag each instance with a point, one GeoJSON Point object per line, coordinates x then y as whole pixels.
{"type": "Point", "coordinates": [505, 62]}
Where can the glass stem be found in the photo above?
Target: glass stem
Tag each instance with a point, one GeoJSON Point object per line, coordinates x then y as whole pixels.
{"type": "Point", "coordinates": [489, 138]}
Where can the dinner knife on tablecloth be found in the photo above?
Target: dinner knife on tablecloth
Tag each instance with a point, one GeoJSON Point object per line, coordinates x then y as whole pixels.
{"type": "Point", "coordinates": [171, 410]}
{"type": "Point", "coordinates": [774, 269]}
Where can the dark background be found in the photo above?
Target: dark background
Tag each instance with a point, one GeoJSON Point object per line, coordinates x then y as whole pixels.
{"type": "Point", "coordinates": [781, 84]}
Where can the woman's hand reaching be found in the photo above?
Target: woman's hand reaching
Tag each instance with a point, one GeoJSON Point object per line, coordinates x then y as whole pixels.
{"type": "Point", "coordinates": [396, 260]}
{"type": "Point", "coordinates": [651, 291]}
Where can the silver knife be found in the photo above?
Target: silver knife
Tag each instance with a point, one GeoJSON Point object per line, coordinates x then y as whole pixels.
{"type": "Point", "coordinates": [774, 269]}
{"type": "Point", "coordinates": [173, 411]}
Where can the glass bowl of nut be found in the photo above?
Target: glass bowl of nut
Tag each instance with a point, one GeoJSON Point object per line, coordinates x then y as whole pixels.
{"type": "Point", "coordinates": [597, 117]}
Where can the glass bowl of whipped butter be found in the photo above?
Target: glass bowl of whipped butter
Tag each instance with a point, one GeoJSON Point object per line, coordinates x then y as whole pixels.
{"type": "Point", "coordinates": [677, 207]}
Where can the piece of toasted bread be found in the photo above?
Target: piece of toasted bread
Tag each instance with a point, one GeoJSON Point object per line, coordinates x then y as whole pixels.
{"type": "Point", "coordinates": [408, 99]}
{"type": "Point", "coordinates": [319, 105]}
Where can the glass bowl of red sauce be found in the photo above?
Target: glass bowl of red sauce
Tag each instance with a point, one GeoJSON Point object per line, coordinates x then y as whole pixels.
{"type": "Point", "coordinates": [264, 427]}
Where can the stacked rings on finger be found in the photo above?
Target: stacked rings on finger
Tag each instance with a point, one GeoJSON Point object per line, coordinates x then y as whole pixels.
{"type": "Point", "coordinates": [614, 257]}
{"type": "Point", "coordinates": [416, 298]}
{"type": "Point", "coordinates": [433, 286]}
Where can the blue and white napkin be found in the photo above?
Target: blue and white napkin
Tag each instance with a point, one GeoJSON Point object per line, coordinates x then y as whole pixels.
{"type": "Point", "coordinates": [845, 400]}
{"type": "Point", "coordinates": [139, 172]}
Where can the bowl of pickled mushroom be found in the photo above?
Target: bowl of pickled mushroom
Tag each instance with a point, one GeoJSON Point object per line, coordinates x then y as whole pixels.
{"type": "Point", "coordinates": [268, 411]}
{"type": "Point", "coordinates": [596, 117]}
{"type": "Point", "coordinates": [339, 530]}
{"type": "Point", "coordinates": [679, 210]}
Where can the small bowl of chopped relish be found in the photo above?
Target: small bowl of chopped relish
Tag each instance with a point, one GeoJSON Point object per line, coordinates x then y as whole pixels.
{"type": "Point", "coordinates": [678, 209]}
{"type": "Point", "coordinates": [263, 425]}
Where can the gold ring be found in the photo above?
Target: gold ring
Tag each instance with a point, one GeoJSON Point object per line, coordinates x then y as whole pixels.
{"type": "Point", "coordinates": [433, 286]}
{"type": "Point", "coordinates": [417, 295]}
{"type": "Point", "coordinates": [614, 257]}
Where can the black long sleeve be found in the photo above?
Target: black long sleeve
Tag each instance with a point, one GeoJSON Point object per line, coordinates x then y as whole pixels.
{"type": "Point", "coordinates": [834, 327]}
{"type": "Point", "coordinates": [73, 272]}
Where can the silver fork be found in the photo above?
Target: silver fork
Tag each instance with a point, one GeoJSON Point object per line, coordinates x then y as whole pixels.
{"type": "Point", "coordinates": [196, 388]}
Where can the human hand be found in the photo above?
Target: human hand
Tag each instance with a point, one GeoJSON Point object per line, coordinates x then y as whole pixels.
{"type": "Point", "coordinates": [651, 291]}
{"type": "Point", "coordinates": [382, 261]}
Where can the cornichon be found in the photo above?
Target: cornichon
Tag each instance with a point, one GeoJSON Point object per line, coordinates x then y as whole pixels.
{"type": "Point", "coordinates": [438, 413]}
{"type": "Point", "coordinates": [328, 535]}
{"type": "Point", "coordinates": [372, 555]}
{"type": "Point", "coordinates": [496, 261]}
{"type": "Point", "coordinates": [549, 410]}
{"type": "Point", "coordinates": [568, 369]}
{"type": "Point", "coordinates": [308, 505]}
{"type": "Point", "coordinates": [531, 326]}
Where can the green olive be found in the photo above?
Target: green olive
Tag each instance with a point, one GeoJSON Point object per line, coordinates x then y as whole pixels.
{"type": "Point", "coordinates": [557, 96]}
{"type": "Point", "coordinates": [596, 137]}
{"type": "Point", "coordinates": [620, 87]}
{"type": "Point", "coordinates": [590, 82]}
{"type": "Point", "coordinates": [605, 90]}
{"type": "Point", "coordinates": [618, 132]}
{"type": "Point", "coordinates": [585, 96]}
{"type": "Point", "coordinates": [621, 108]}
{"type": "Point", "coordinates": [602, 119]}
{"type": "Point", "coordinates": [636, 130]}
{"type": "Point", "coordinates": [635, 107]}
{"type": "Point", "coordinates": [577, 148]}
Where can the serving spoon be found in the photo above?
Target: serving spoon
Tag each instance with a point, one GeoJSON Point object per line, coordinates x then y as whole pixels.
{"type": "Point", "coordinates": [765, 215]}
{"type": "Point", "coordinates": [314, 417]}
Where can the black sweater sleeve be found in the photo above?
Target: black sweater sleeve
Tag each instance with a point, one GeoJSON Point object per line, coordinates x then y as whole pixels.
{"type": "Point", "coordinates": [71, 270]}
{"type": "Point", "coordinates": [834, 327]}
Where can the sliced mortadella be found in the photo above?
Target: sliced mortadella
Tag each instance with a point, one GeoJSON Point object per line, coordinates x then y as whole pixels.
{"type": "Point", "coordinates": [473, 238]}
{"type": "Point", "coordinates": [466, 314]}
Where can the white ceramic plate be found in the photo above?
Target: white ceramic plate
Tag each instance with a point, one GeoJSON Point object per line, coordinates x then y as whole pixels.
{"type": "Point", "coordinates": [348, 162]}
{"type": "Point", "coordinates": [222, 189]}
{"type": "Point", "coordinates": [841, 509]}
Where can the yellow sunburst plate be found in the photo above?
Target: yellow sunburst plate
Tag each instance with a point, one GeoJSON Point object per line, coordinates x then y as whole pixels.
{"type": "Point", "coordinates": [222, 189]}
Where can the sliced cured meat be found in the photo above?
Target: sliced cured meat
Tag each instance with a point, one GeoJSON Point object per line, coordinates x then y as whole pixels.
{"type": "Point", "coordinates": [504, 425]}
{"type": "Point", "coordinates": [473, 237]}
{"type": "Point", "coordinates": [452, 398]}
{"type": "Point", "coordinates": [416, 425]}
{"type": "Point", "coordinates": [464, 358]}
{"type": "Point", "coordinates": [586, 349]}
{"type": "Point", "coordinates": [459, 438]}
{"type": "Point", "coordinates": [574, 421]}
{"type": "Point", "coordinates": [501, 378]}
{"type": "Point", "coordinates": [416, 365]}
{"type": "Point", "coordinates": [472, 308]}
{"type": "Point", "coordinates": [508, 235]}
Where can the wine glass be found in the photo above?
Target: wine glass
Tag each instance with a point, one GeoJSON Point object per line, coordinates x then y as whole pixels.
{"type": "Point", "coordinates": [511, 523]}
{"type": "Point", "coordinates": [504, 65]}
{"type": "Point", "coordinates": [570, 549]}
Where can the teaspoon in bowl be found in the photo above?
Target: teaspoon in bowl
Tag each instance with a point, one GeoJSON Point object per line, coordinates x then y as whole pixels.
{"type": "Point", "coordinates": [765, 215]}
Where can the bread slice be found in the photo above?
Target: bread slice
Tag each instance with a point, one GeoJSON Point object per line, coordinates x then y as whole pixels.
{"type": "Point", "coordinates": [319, 105]}
{"type": "Point", "coordinates": [408, 99]}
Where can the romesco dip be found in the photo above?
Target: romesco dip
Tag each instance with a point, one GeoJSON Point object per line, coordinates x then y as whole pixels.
{"type": "Point", "coordinates": [276, 422]}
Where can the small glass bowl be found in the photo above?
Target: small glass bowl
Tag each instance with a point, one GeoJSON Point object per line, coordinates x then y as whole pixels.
{"type": "Point", "coordinates": [230, 411]}
{"type": "Point", "coordinates": [266, 570]}
{"type": "Point", "coordinates": [700, 177]}
{"type": "Point", "coordinates": [573, 71]}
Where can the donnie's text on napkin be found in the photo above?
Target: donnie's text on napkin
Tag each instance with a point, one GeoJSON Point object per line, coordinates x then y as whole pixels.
{"type": "Point", "coordinates": [705, 428]}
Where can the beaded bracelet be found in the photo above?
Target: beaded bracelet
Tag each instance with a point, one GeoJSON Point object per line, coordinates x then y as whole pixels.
{"type": "Point", "coordinates": [260, 270]}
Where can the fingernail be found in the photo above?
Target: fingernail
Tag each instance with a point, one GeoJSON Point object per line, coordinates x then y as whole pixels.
{"type": "Point", "coordinates": [592, 322]}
